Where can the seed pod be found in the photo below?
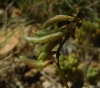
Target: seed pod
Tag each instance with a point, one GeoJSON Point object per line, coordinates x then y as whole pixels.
{"type": "Point", "coordinates": [47, 32]}
{"type": "Point", "coordinates": [57, 19]}
{"type": "Point", "coordinates": [32, 63]}
{"type": "Point", "coordinates": [45, 39]}
{"type": "Point", "coordinates": [46, 51]}
{"type": "Point", "coordinates": [35, 64]}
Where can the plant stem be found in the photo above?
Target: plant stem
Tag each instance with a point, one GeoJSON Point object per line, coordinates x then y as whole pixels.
{"type": "Point", "coordinates": [61, 75]}
{"type": "Point", "coordinates": [57, 61]}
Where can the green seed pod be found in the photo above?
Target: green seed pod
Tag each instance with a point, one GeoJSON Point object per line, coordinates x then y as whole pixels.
{"type": "Point", "coordinates": [32, 63]}
{"type": "Point", "coordinates": [44, 56]}
{"type": "Point", "coordinates": [45, 39]}
{"type": "Point", "coordinates": [57, 19]}
{"type": "Point", "coordinates": [47, 32]}
{"type": "Point", "coordinates": [35, 64]}
{"type": "Point", "coordinates": [46, 51]}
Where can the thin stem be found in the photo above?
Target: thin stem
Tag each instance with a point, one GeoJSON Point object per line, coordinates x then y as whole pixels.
{"type": "Point", "coordinates": [61, 75]}
{"type": "Point", "coordinates": [60, 46]}
{"type": "Point", "coordinates": [57, 61]}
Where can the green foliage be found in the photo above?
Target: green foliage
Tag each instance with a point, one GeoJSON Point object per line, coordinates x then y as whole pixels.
{"type": "Point", "coordinates": [72, 67]}
{"type": "Point", "coordinates": [93, 73]}
{"type": "Point", "coordinates": [93, 31]}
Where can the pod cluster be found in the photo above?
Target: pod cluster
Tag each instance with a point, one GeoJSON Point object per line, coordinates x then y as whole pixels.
{"type": "Point", "coordinates": [51, 34]}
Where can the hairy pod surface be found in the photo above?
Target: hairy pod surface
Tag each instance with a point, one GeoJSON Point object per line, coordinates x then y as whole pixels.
{"type": "Point", "coordinates": [28, 62]}
{"type": "Point", "coordinates": [32, 63]}
{"type": "Point", "coordinates": [45, 39]}
{"type": "Point", "coordinates": [56, 19]}
{"type": "Point", "coordinates": [47, 32]}
{"type": "Point", "coordinates": [46, 51]}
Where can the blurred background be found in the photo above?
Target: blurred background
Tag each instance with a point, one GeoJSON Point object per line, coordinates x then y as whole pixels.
{"type": "Point", "coordinates": [80, 58]}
